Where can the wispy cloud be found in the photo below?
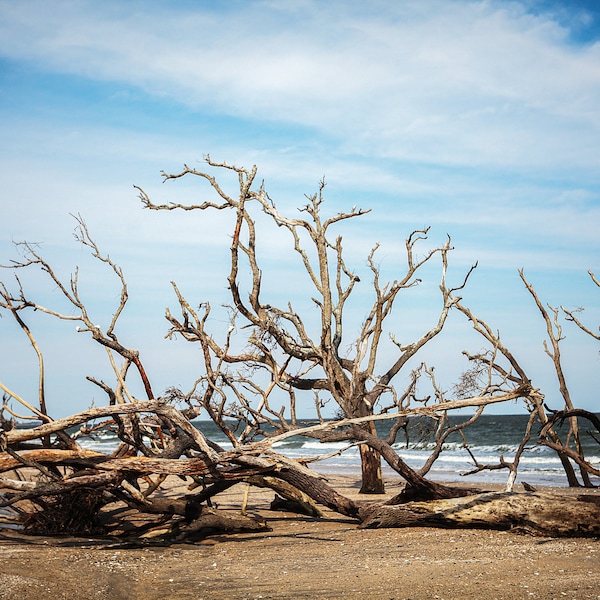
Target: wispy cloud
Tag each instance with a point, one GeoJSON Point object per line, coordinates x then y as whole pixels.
{"type": "Point", "coordinates": [480, 118]}
{"type": "Point", "coordinates": [467, 83]}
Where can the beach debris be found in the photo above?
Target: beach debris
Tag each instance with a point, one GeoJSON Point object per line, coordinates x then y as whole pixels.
{"type": "Point", "coordinates": [541, 513]}
{"type": "Point", "coordinates": [250, 376]}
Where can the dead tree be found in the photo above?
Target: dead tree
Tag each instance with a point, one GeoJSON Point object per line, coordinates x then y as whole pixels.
{"type": "Point", "coordinates": [554, 332]}
{"type": "Point", "coordinates": [91, 480]}
{"type": "Point", "coordinates": [504, 370]}
{"type": "Point", "coordinates": [69, 485]}
{"type": "Point", "coordinates": [280, 344]}
{"type": "Point", "coordinates": [571, 316]}
{"type": "Point", "coordinates": [244, 382]}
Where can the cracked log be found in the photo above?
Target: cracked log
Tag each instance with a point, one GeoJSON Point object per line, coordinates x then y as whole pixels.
{"type": "Point", "coordinates": [198, 522]}
{"type": "Point", "coordinates": [541, 513]}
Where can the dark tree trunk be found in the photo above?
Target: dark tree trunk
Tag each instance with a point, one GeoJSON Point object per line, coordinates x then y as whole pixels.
{"type": "Point", "coordinates": [370, 463]}
{"type": "Point", "coordinates": [372, 476]}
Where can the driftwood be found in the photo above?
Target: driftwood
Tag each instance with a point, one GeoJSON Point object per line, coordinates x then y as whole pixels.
{"type": "Point", "coordinates": [214, 521]}
{"type": "Point", "coordinates": [542, 513]}
{"type": "Point", "coordinates": [49, 483]}
{"type": "Point", "coordinates": [190, 527]}
{"type": "Point", "coordinates": [293, 499]}
{"type": "Point", "coordinates": [91, 480]}
{"type": "Point", "coordinates": [184, 516]}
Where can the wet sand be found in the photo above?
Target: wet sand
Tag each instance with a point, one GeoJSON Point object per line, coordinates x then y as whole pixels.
{"type": "Point", "coordinates": [305, 558]}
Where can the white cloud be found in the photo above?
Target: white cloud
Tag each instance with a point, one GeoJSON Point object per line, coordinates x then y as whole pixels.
{"type": "Point", "coordinates": [451, 82]}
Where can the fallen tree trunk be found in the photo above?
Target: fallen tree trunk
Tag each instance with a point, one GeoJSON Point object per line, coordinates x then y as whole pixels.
{"type": "Point", "coordinates": [298, 501]}
{"type": "Point", "coordinates": [210, 522]}
{"type": "Point", "coordinates": [312, 485]}
{"type": "Point", "coordinates": [542, 513]}
{"type": "Point", "coordinates": [33, 489]}
{"type": "Point", "coordinates": [50, 456]}
{"type": "Point", "coordinates": [197, 522]}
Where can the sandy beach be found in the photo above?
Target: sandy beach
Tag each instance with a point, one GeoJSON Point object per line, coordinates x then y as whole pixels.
{"type": "Point", "coordinates": [303, 557]}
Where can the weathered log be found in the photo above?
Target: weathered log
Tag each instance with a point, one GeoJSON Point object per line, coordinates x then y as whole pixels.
{"type": "Point", "coordinates": [213, 521]}
{"type": "Point", "coordinates": [183, 507]}
{"type": "Point", "coordinates": [298, 476]}
{"type": "Point", "coordinates": [141, 465]}
{"type": "Point", "coordinates": [294, 500]}
{"type": "Point", "coordinates": [172, 527]}
{"type": "Point", "coordinates": [40, 488]}
{"type": "Point", "coordinates": [50, 456]}
{"type": "Point", "coordinates": [542, 513]}
{"type": "Point", "coordinates": [198, 521]}
{"type": "Point", "coordinates": [210, 522]}
{"type": "Point", "coordinates": [147, 465]}
{"type": "Point", "coordinates": [312, 485]}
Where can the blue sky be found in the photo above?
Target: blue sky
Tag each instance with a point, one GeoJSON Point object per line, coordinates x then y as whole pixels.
{"type": "Point", "coordinates": [481, 119]}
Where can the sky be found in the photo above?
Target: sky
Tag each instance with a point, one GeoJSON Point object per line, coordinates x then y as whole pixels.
{"type": "Point", "coordinates": [480, 119]}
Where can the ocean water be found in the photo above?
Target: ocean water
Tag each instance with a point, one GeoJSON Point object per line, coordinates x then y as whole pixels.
{"type": "Point", "coordinates": [490, 437]}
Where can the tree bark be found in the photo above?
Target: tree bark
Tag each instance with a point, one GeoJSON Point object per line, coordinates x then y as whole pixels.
{"type": "Point", "coordinates": [215, 521]}
{"type": "Point", "coordinates": [310, 483]}
{"type": "Point", "coordinates": [542, 513]}
{"type": "Point", "coordinates": [289, 492]}
{"type": "Point", "coordinates": [196, 525]}
{"type": "Point", "coordinates": [372, 476]}
{"type": "Point", "coordinates": [319, 491]}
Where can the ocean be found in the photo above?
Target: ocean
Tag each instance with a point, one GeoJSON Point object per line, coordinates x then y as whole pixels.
{"type": "Point", "coordinates": [488, 438]}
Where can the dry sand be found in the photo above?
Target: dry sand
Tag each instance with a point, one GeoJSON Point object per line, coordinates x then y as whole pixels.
{"type": "Point", "coordinates": [305, 558]}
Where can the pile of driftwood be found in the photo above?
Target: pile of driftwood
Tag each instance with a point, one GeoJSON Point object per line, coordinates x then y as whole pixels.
{"type": "Point", "coordinates": [51, 485]}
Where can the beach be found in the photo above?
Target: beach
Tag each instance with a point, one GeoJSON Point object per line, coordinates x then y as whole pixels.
{"type": "Point", "coordinates": [303, 557]}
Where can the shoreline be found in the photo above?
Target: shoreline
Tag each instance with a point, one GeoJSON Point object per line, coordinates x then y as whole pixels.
{"type": "Point", "coordinates": [303, 557]}
{"type": "Point", "coordinates": [495, 478]}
